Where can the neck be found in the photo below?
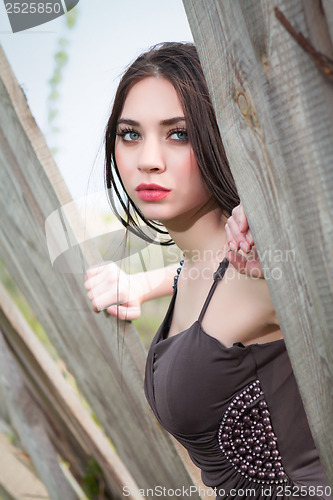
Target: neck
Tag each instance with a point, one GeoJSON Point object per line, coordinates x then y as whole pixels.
{"type": "Point", "coordinates": [202, 241]}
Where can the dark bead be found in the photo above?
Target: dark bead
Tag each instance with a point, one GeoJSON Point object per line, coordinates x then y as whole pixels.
{"type": "Point", "coordinates": [178, 270]}
{"type": "Point", "coordinates": [181, 262]}
{"type": "Point", "coordinates": [247, 438]}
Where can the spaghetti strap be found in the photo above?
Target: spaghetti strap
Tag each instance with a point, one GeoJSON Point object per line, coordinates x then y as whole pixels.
{"type": "Point", "coordinates": [218, 275]}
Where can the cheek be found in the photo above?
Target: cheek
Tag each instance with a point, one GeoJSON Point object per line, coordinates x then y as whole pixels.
{"type": "Point", "coordinates": [122, 161]}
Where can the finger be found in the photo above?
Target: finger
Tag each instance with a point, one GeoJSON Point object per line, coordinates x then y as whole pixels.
{"type": "Point", "coordinates": [240, 218]}
{"type": "Point", "coordinates": [104, 300]}
{"type": "Point", "coordinates": [95, 280]}
{"type": "Point", "coordinates": [109, 267]}
{"type": "Point", "coordinates": [231, 241]}
{"type": "Point", "coordinates": [238, 237]}
{"type": "Point", "coordinates": [108, 276]}
{"type": "Point", "coordinates": [92, 271]}
{"type": "Point", "coordinates": [249, 238]}
{"type": "Point", "coordinates": [124, 312]}
{"type": "Point", "coordinates": [238, 261]}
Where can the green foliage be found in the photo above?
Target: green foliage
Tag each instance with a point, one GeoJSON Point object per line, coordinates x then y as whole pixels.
{"type": "Point", "coordinates": [93, 480]}
{"type": "Point", "coordinates": [71, 17]}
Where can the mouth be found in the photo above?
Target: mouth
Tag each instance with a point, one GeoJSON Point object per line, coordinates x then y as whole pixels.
{"type": "Point", "coordinates": [152, 192]}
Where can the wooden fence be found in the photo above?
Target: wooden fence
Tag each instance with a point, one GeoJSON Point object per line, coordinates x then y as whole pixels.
{"type": "Point", "coordinates": [269, 68]}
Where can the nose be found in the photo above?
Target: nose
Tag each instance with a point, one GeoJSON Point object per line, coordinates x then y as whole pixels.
{"type": "Point", "coordinates": [151, 157]}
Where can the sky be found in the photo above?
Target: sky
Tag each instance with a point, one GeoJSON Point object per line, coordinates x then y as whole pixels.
{"type": "Point", "coordinates": [108, 35]}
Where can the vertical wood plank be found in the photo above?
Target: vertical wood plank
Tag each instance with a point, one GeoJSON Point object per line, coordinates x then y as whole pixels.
{"type": "Point", "coordinates": [274, 111]}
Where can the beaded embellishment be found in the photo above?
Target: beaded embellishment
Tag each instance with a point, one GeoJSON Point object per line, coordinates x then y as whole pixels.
{"type": "Point", "coordinates": [247, 439]}
{"type": "Point", "coordinates": [175, 279]}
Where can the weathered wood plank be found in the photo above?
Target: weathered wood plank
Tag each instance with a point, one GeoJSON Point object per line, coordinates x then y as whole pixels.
{"type": "Point", "coordinates": [30, 423]}
{"type": "Point", "coordinates": [70, 427]}
{"type": "Point", "coordinates": [17, 480]}
{"type": "Point", "coordinates": [274, 108]}
{"type": "Point", "coordinates": [108, 372]}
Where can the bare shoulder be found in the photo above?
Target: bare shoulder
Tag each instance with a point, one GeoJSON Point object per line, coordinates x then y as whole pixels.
{"type": "Point", "coordinates": [255, 291]}
{"type": "Point", "coordinates": [241, 310]}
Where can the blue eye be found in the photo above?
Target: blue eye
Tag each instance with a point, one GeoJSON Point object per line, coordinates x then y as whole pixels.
{"type": "Point", "coordinates": [128, 135]}
{"type": "Point", "coordinates": [178, 135]}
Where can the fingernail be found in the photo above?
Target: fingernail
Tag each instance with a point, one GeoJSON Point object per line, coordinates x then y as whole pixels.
{"type": "Point", "coordinates": [233, 246]}
{"type": "Point", "coordinates": [244, 247]}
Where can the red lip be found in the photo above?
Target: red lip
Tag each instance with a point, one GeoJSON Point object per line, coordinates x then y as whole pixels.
{"type": "Point", "coordinates": [144, 187]}
{"type": "Point", "coordinates": [152, 192]}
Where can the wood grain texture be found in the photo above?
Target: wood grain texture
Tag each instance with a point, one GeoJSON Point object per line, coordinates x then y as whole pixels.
{"type": "Point", "coordinates": [274, 108]}
{"type": "Point", "coordinates": [29, 420]}
{"type": "Point", "coordinates": [17, 480]}
{"type": "Point", "coordinates": [68, 424]}
{"type": "Point", "coordinates": [108, 371]}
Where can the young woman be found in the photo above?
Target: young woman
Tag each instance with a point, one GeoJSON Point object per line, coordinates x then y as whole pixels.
{"type": "Point", "coordinates": [218, 376]}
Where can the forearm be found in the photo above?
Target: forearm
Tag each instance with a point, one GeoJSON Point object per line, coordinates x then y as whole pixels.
{"type": "Point", "coordinates": [157, 283]}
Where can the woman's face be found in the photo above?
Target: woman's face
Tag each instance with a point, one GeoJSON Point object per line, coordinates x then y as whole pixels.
{"type": "Point", "coordinates": [154, 157]}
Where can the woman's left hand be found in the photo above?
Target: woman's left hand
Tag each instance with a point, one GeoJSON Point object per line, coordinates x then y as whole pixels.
{"type": "Point", "coordinates": [239, 238]}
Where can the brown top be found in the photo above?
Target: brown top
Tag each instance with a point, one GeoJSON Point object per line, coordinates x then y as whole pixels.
{"type": "Point", "coordinates": [237, 410]}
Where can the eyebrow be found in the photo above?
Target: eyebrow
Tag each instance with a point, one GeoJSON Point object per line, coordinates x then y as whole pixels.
{"type": "Point", "coordinates": [165, 123]}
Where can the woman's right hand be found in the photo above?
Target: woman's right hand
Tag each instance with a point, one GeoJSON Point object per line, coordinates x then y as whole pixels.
{"type": "Point", "coordinates": [111, 289]}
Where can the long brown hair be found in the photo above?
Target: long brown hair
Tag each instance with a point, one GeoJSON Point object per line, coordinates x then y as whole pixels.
{"type": "Point", "coordinates": [179, 63]}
